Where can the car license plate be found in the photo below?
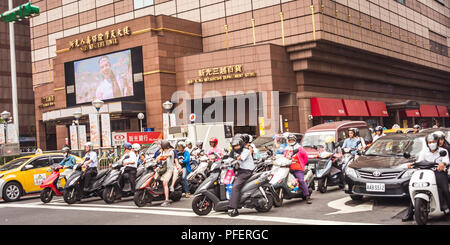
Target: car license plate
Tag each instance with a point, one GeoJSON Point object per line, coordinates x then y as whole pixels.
{"type": "Point", "coordinates": [375, 187]}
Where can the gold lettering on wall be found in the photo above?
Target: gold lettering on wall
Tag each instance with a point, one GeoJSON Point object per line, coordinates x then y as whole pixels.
{"type": "Point", "coordinates": [221, 73]}
{"type": "Point", "coordinates": [100, 40]}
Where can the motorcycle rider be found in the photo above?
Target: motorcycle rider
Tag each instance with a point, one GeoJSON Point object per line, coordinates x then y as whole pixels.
{"type": "Point", "coordinates": [189, 146]}
{"type": "Point", "coordinates": [90, 166]}
{"type": "Point", "coordinates": [416, 129]}
{"type": "Point", "coordinates": [351, 141]}
{"type": "Point", "coordinates": [214, 142]}
{"type": "Point", "coordinates": [297, 168]}
{"type": "Point", "coordinates": [244, 168]}
{"type": "Point", "coordinates": [130, 165]}
{"type": "Point", "coordinates": [280, 144]}
{"type": "Point", "coordinates": [67, 163]}
{"type": "Point", "coordinates": [198, 150]}
{"type": "Point", "coordinates": [168, 154]}
{"type": "Point", "coordinates": [430, 154]}
{"type": "Point", "coordinates": [443, 143]}
{"type": "Point", "coordinates": [292, 146]}
{"type": "Point", "coordinates": [378, 133]}
{"type": "Point", "coordinates": [185, 162]}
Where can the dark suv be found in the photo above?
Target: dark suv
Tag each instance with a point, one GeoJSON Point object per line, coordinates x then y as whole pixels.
{"type": "Point", "coordinates": [382, 169]}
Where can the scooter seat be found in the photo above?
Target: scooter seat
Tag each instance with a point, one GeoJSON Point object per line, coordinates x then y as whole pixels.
{"type": "Point", "coordinates": [101, 173]}
{"type": "Point", "coordinates": [255, 176]}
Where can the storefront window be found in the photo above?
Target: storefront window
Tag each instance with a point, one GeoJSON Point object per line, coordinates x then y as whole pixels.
{"type": "Point", "coordinates": [142, 3]}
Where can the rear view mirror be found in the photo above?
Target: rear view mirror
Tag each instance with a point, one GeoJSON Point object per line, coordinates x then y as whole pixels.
{"type": "Point", "coordinates": [443, 153]}
{"type": "Point", "coordinates": [407, 155]}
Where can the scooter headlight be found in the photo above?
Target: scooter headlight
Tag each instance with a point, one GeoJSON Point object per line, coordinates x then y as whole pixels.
{"type": "Point", "coordinates": [351, 172]}
{"type": "Point", "coordinates": [420, 184]}
{"type": "Point", "coordinates": [408, 173]}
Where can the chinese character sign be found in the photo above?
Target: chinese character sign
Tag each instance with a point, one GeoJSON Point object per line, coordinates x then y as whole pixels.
{"type": "Point", "coordinates": [143, 138]}
{"type": "Point", "coordinates": [73, 137]}
{"type": "Point", "coordinates": [82, 135]}
{"type": "Point", "coordinates": [106, 130]}
{"type": "Point", "coordinates": [94, 130]}
{"type": "Point", "coordinates": [2, 134]}
{"type": "Point", "coordinates": [12, 136]}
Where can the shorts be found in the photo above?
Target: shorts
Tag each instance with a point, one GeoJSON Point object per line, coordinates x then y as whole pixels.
{"type": "Point", "coordinates": [167, 175]}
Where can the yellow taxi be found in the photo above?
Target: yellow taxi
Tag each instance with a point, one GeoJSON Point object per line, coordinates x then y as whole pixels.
{"type": "Point", "coordinates": [394, 131]}
{"type": "Point", "coordinates": [24, 175]}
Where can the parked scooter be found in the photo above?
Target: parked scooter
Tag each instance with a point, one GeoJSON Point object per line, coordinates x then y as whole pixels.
{"type": "Point", "coordinates": [73, 190]}
{"type": "Point", "coordinates": [285, 184]}
{"type": "Point", "coordinates": [50, 184]}
{"type": "Point", "coordinates": [112, 189]}
{"type": "Point", "coordinates": [424, 193]}
{"type": "Point", "coordinates": [147, 192]}
{"type": "Point", "coordinates": [199, 174]}
{"type": "Point", "coordinates": [211, 194]}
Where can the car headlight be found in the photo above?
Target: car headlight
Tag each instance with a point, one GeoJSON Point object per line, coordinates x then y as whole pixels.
{"type": "Point", "coordinates": [408, 173]}
{"type": "Point", "coordinates": [351, 172]}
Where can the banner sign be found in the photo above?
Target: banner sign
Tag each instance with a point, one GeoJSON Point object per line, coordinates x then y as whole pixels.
{"type": "Point", "coordinates": [73, 137]}
{"type": "Point", "coordinates": [166, 125]}
{"type": "Point", "coordinates": [173, 121]}
{"type": "Point", "coordinates": [262, 130]}
{"type": "Point", "coordinates": [143, 138]}
{"type": "Point", "coordinates": [2, 134]}
{"type": "Point", "coordinates": [11, 134]}
{"type": "Point", "coordinates": [106, 130]}
{"type": "Point", "coordinates": [82, 135]}
{"type": "Point", "coordinates": [94, 130]}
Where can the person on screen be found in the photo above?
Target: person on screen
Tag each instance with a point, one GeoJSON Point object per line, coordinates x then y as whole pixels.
{"type": "Point", "coordinates": [109, 88]}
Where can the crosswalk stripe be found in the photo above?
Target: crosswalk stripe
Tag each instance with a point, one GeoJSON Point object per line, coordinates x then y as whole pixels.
{"type": "Point", "coordinates": [103, 208]}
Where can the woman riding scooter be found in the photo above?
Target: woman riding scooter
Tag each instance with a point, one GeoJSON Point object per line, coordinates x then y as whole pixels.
{"type": "Point", "coordinates": [168, 154]}
{"type": "Point", "coordinates": [297, 167]}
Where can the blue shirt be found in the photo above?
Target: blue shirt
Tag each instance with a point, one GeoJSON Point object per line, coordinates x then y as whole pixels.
{"type": "Point", "coordinates": [92, 156]}
{"type": "Point", "coordinates": [351, 143]}
{"type": "Point", "coordinates": [68, 161]}
{"type": "Point", "coordinates": [187, 160]}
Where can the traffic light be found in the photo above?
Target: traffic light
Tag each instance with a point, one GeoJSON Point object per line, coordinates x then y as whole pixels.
{"type": "Point", "coordinates": [19, 13]}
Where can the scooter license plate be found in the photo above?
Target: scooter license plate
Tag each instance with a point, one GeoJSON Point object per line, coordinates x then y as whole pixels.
{"type": "Point", "coordinates": [375, 187]}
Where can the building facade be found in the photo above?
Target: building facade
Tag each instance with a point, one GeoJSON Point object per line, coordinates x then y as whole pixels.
{"type": "Point", "coordinates": [25, 94]}
{"type": "Point", "coordinates": [306, 61]}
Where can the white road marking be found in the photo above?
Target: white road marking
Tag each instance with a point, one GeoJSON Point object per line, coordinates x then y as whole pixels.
{"type": "Point", "coordinates": [345, 209]}
{"type": "Point", "coordinates": [120, 206]}
{"type": "Point", "coordinates": [272, 219]}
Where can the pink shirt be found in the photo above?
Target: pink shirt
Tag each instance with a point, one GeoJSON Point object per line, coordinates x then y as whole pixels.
{"type": "Point", "coordinates": [216, 150]}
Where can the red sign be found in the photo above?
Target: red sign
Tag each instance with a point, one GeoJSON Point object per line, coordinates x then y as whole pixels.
{"type": "Point", "coordinates": [143, 137]}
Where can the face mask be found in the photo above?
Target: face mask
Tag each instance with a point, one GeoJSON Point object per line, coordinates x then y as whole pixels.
{"type": "Point", "coordinates": [292, 143]}
{"type": "Point", "coordinates": [433, 146]}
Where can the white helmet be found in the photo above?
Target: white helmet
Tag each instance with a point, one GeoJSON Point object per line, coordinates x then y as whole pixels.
{"type": "Point", "coordinates": [250, 138]}
{"type": "Point", "coordinates": [136, 147]}
{"type": "Point", "coordinates": [440, 134]}
{"type": "Point", "coordinates": [188, 142]}
{"type": "Point", "coordinates": [88, 144]}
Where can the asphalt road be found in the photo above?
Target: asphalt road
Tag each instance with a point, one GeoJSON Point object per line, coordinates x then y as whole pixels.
{"type": "Point", "coordinates": [331, 208]}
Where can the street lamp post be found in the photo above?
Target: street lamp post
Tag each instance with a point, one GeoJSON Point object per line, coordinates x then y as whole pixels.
{"type": "Point", "coordinates": [77, 116]}
{"type": "Point", "coordinates": [167, 106]}
{"type": "Point", "coordinates": [141, 117]}
{"type": "Point", "coordinates": [97, 105]}
{"type": "Point", "coordinates": [5, 115]}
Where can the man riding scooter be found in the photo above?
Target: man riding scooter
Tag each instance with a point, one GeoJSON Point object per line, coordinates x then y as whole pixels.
{"type": "Point", "coordinates": [351, 142]}
{"type": "Point", "coordinates": [90, 166]}
{"type": "Point", "coordinates": [244, 168]}
{"type": "Point", "coordinates": [130, 165]}
{"type": "Point", "coordinates": [429, 154]}
{"type": "Point", "coordinates": [67, 163]}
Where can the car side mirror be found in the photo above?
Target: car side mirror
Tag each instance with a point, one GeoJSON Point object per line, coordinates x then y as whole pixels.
{"type": "Point", "coordinates": [28, 166]}
{"type": "Point", "coordinates": [407, 155]}
{"type": "Point", "coordinates": [443, 153]}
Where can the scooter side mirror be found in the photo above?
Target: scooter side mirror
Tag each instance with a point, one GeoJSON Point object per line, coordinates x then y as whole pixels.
{"type": "Point", "coordinates": [407, 155]}
{"type": "Point", "coordinates": [443, 153]}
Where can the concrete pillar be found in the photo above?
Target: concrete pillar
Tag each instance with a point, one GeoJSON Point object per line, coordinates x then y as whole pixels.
{"type": "Point", "coordinates": [40, 135]}
{"type": "Point", "coordinates": [62, 133]}
{"type": "Point", "coordinates": [304, 109]}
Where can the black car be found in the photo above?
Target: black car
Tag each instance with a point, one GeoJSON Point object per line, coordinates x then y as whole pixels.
{"type": "Point", "coordinates": [382, 169]}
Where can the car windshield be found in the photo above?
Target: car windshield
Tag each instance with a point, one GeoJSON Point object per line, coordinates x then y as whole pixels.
{"type": "Point", "coordinates": [14, 164]}
{"type": "Point", "coordinates": [314, 139]}
{"type": "Point", "coordinates": [394, 147]}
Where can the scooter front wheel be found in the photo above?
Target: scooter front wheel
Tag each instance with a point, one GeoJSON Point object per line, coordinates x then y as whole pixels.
{"type": "Point", "coordinates": [421, 211]}
{"type": "Point", "coordinates": [278, 201]}
{"type": "Point", "coordinates": [201, 205]}
{"type": "Point", "coordinates": [70, 195]}
{"type": "Point", "coordinates": [109, 194]}
{"type": "Point", "coordinates": [140, 198]}
{"type": "Point", "coordinates": [322, 185]}
{"type": "Point", "coordinates": [268, 205]}
{"type": "Point", "coordinates": [46, 195]}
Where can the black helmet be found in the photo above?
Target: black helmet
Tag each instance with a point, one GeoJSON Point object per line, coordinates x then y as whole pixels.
{"type": "Point", "coordinates": [165, 144]}
{"type": "Point", "coordinates": [379, 128]}
{"type": "Point", "coordinates": [237, 136]}
{"type": "Point", "coordinates": [245, 138]}
{"type": "Point", "coordinates": [236, 142]}
{"type": "Point", "coordinates": [354, 130]}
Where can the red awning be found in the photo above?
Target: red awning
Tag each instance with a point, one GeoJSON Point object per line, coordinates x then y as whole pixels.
{"type": "Point", "coordinates": [428, 111]}
{"type": "Point", "coordinates": [442, 110]}
{"type": "Point", "coordinates": [327, 107]}
{"type": "Point", "coordinates": [412, 113]}
{"type": "Point", "coordinates": [356, 108]}
{"type": "Point", "coordinates": [377, 109]}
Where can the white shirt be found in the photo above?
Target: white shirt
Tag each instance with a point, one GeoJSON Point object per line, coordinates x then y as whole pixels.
{"type": "Point", "coordinates": [92, 156]}
{"type": "Point", "coordinates": [132, 160]}
{"type": "Point", "coordinates": [377, 137]}
{"type": "Point", "coordinates": [246, 161]}
{"type": "Point", "coordinates": [427, 155]}
{"type": "Point", "coordinates": [105, 90]}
